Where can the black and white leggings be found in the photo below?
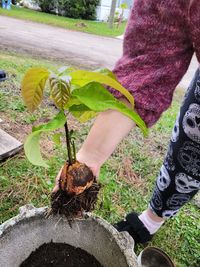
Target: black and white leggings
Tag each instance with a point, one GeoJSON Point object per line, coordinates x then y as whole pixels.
{"type": "Point", "coordinates": [179, 177]}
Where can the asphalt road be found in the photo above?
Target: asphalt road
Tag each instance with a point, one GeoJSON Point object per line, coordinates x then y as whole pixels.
{"type": "Point", "coordinates": [78, 48]}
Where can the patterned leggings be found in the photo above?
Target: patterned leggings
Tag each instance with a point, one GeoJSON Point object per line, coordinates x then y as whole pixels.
{"type": "Point", "coordinates": [179, 177]}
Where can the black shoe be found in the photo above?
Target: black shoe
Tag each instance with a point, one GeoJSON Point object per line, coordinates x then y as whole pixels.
{"type": "Point", "coordinates": [2, 76]}
{"type": "Point", "coordinates": [135, 228]}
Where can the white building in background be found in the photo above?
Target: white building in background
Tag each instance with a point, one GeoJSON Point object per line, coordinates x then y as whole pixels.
{"type": "Point", "coordinates": [103, 10]}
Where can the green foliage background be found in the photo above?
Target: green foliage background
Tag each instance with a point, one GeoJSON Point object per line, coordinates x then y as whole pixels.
{"type": "Point", "coordinates": [78, 9]}
{"type": "Point", "coordinates": [47, 6]}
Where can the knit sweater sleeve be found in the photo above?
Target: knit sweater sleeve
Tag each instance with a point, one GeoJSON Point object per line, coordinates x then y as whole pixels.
{"type": "Point", "coordinates": [157, 51]}
{"type": "Point", "coordinates": [194, 23]}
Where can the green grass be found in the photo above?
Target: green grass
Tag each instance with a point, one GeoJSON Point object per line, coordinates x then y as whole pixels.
{"type": "Point", "coordinates": [16, 65]}
{"type": "Point", "coordinates": [94, 27]}
{"type": "Point", "coordinates": [128, 177]}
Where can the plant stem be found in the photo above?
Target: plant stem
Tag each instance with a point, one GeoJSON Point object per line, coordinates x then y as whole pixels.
{"type": "Point", "coordinates": [70, 159]}
{"type": "Point", "coordinates": [74, 150]}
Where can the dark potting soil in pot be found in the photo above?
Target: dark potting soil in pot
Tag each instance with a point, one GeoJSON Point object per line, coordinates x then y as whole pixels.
{"type": "Point", "coordinates": [60, 255]}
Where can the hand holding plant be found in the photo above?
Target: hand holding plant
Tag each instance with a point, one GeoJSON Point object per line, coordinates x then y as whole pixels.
{"type": "Point", "coordinates": [82, 94]}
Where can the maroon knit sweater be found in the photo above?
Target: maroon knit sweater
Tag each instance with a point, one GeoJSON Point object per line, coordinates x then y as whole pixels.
{"type": "Point", "coordinates": [160, 39]}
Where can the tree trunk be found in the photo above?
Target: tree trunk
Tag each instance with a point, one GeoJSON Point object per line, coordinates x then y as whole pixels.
{"type": "Point", "coordinates": [112, 14]}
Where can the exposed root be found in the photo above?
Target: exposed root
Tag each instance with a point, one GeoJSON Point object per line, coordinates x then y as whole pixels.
{"type": "Point", "coordinates": [72, 205]}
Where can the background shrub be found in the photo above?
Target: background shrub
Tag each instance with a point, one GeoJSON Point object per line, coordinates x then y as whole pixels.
{"type": "Point", "coordinates": [47, 6]}
{"type": "Point", "coordinates": [82, 9]}
{"type": "Point", "coordinates": [90, 12]}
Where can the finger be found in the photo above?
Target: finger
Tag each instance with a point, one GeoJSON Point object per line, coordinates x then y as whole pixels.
{"type": "Point", "coordinates": [56, 187]}
{"type": "Point", "coordinates": [95, 171]}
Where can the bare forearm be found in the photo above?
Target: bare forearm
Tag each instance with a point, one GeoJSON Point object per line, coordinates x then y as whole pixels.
{"type": "Point", "coordinates": [107, 132]}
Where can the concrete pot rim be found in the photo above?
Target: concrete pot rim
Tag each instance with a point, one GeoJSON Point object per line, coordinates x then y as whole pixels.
{"type": "Point", "coordinates": [123, 239]}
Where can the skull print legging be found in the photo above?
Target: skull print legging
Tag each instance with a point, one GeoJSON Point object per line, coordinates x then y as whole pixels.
{"type": "Point", "coordinates": [179, 177]}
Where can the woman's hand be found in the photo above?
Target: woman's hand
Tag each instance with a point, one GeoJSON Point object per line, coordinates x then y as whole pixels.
{"type": "Point", "coordinates": [110, 127]}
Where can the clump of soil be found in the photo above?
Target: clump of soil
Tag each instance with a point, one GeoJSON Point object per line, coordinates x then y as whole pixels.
{"type": "Point", "coordinates": [78, 191]}
{"type": "Point", "coordinates": [60, 255]}
{"type": "Point", "coordinates": [81, 25]}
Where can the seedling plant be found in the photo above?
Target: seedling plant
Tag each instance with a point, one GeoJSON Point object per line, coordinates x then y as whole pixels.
{"type": "Point", "coordinates": [83, 94]}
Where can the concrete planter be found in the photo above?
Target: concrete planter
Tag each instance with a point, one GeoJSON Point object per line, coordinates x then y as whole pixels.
{"type": "Point", "coordinates": [24, 233]}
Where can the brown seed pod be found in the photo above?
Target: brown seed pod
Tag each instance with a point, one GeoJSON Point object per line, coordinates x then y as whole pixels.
{"type": "Point", "coordinates": [76, 178]}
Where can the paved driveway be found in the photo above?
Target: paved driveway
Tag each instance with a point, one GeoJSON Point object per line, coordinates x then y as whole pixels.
{"type": "Point", "coordinates": [75, 47]}
{"type": "Point", "coordinates": [53, 42]}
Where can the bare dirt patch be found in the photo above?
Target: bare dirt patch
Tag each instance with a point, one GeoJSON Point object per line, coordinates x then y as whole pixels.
{"type": "Point", "coordinates": [126, 172]}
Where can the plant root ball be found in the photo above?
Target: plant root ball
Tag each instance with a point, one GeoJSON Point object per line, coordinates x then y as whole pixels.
{"type": "Point", "coordinates": [75, 178]}
{"type": "Point", "coordinates": [72, 205]}
{"type": "Point", "coordinates": [78, 191]}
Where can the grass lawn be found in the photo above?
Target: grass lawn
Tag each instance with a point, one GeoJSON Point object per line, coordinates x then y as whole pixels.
{"type": "Point", "coordinates": [128, 176]}
{"type": "Point", "coordinates": [99, 28]}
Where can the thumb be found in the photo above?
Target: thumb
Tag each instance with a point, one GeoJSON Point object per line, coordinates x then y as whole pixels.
{"type": "Point", "coordinates": [56, 187]}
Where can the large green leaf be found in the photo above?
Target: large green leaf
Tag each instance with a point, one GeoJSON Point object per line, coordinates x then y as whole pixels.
{"type": "Point", "coordinates": [98, 99]}
{"type": "Point", "coordinates": [32, 147]}
{"type": "Point", "coordinates": [32, 150]}
{"type": "Point", "coordinates": [79, 110]}
{"type": "Point", "coordinates": [33, 85]}
{"type": "Point", "coordinates": [83, 77]}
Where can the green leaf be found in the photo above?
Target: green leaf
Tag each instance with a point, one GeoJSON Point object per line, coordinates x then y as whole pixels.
{"type": "Point", "coordinates": [32, 150]}
{"type": "Point", "coordinates": [56, 138]}
{"type": "Point", "coordinates": [82, 112]}
{"type": "Point", "coordinates": [107, 72]}
{"type": "Point", "coordinates": [83, 77]}
{"type": "Point", "coordinates": [33, 85]}
{"type": "Point", "coordinates": [57, 122]}
{"type": "Point", "coordinates": [60, 89]}
{"type": "Point", "coordinates": [32, 147]}
{"type": "Point", "coordinates": [98, 99]}
{"type": "Point", "coordinates": [79, 110]}
{"type": "Point", "coordinates": [72, 101]}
